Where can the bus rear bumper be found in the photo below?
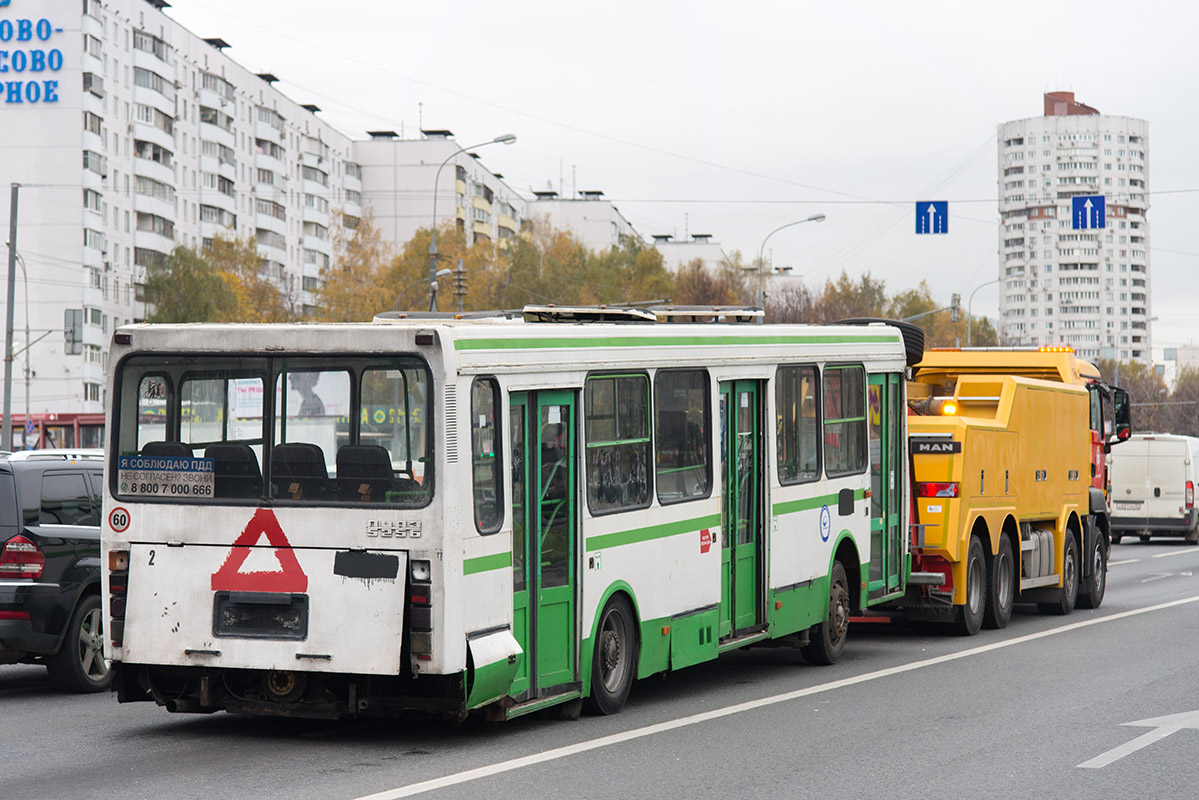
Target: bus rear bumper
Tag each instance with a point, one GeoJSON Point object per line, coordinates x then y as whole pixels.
{"type": "Point", "coordinates": [287, 693]}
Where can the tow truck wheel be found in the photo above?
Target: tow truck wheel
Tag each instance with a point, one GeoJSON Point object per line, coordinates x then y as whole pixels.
{"type": "Point", "coordinates": [1001, 589]}
{"type": "Point", "coordinates": [1093, 589]}
{"type": "Point", "coordinates": [1069, 593]}
{"type": "Point", "coordinates": [968, 618]}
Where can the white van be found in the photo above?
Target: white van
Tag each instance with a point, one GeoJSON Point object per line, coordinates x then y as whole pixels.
{"type": "Point", "coordinates": [1153, 479]}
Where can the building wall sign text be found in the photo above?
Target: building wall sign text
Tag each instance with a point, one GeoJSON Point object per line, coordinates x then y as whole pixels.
{"type": "Point", "coordinates": [23, 63]}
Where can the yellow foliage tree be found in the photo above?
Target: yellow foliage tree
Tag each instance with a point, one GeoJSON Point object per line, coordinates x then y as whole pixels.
{"type": "Point", "coordinates": [356, 285]}
{"type": "Point", "coordinates": [258, 297]}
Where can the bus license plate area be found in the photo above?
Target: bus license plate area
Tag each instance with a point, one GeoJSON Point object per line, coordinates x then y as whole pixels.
{"type": "Point", "coordinates": [260, 615]}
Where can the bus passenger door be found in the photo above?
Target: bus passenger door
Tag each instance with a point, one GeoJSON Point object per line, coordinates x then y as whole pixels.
{"type": "Point", "coordinates": [544, 540]}
{"type": "Point", "coordinates": [741, 559]}
{"type": "Point", "coordinates": [886, 470]}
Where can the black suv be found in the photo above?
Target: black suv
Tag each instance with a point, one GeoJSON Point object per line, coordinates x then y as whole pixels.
{"type": "Point", "coordinates": [50, 565]}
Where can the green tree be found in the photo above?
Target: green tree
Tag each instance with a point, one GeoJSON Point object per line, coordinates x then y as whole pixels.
{"type": "Point", "coordinates": [187, 287]}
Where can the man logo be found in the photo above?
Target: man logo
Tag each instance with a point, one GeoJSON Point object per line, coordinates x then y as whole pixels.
{"type": "Point", "coordinates": [926, 448]}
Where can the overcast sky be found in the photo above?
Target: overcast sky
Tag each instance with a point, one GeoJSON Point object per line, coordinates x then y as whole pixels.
{"type": "Point", "coordinates": [733, 119]}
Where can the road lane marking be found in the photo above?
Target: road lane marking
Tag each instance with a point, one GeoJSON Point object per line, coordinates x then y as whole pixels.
{"type": "Point", "coordinates": [1162, 727]}
{"type": "Point", "coordinates": [1122, 563]}
{"type": "Point", "coordinates": [488, 771]}
{"type": "Point", "coordinates": [1155, 576]}
{"type": "Point", "coordinates": [1175, 553]}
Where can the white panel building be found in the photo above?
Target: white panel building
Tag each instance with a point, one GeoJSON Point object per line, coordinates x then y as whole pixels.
{"type": "Point", "coordinates": [128, 135]}
{"type": "Point", "coordinates": [1086, 288]}
{"type": "Point", "coordinates": [594, 221]}
{"type": "Point", "coordinates": [400, 177]}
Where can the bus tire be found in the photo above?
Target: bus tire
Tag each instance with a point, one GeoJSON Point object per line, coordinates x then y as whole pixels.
{"type": "Point", "coordinates": [79, 665]}
{"type": "Point", "coordinates": [827, 639]}
{"type": "Point", "coordinates": [614, 660]}
{"type": "Point", "coordinates": [1069, 593]}
{"type": "Point", "coordinates": [1093, 589]}
{"type": "Point", "coordinates": [968, 617]}
{"type": "Point", "coordinates": [1001, 591]}
{"type": "Point", "coordinates": [1116, 537]}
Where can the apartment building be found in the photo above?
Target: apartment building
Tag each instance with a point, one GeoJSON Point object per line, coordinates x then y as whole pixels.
{"type": "Point", "coordinates": [1088, 288]}
{"type": "Point", "coordinates": [128, 135]}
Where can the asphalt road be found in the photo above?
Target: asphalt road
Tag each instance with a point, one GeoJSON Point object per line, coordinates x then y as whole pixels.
{"type": "Point", "coordinates": [907, 713]}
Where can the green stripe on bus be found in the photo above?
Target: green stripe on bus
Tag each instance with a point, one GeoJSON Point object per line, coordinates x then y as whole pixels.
{"type": "Point", "coordinates": [660, 341]}
{"type": "Point", "coordinates": [791, 506]}
{"type": "Point", "coordinates": [652, 532]}
{"type": "Point", "coordinates": [486, 563]}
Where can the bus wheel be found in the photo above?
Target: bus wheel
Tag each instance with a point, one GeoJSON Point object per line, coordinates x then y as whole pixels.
{"type": "Point", "coordinates": [1002, 589]}
{"type": "Point", "coordinates": [614, 661]}
{"type": "Point", "coordinates": [1116, 537]}
{"type": "Point", "coordinates": [1092, 591]}
{"type": "Point", "coordinates": [1069, 593]}
{"type": "Point", "coordinates": [828, 638]}
{"type": "Point", "coordinates": [79, 665]}
{"type": "Point", "coordinates": [968, 618]}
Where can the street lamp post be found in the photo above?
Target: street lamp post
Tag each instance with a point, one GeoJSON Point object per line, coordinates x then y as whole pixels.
{"type": "Point", "coordinates": [970, 302]}
{"type": "Point", "coordinates": [441, 273]}
{"type": "Point", "coordinates": [28, 344]}
{"type": "Point", "coordinates": [762, 252]}
{"type": "Point", "coordinates": [507, 138]}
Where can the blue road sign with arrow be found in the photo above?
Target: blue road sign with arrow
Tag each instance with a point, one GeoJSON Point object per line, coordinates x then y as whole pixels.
{"type": "Point", "coordinates": [1089, 211]}
{"type": "Point", "coordinates": [932, 216]}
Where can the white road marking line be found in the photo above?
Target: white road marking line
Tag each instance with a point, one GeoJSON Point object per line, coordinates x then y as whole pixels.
{"type": "Point", "coordinates": [661, 727]}
{"type": "Point", "coordinates": [1116, 753]}
{"type": "Point", "coordinates": [1175, 553]}
{"type": "Point", "coordinates": [1121, 563]}
{"type": "Point", "coordinates": [1155, 576]}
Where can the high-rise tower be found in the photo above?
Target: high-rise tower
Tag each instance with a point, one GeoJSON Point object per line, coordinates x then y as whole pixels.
{"type": "Point", "coordinates": [1088, 288]}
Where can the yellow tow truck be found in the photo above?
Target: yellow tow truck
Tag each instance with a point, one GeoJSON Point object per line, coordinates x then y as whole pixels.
{"type": "Point", "coordinates": [1009, 470]}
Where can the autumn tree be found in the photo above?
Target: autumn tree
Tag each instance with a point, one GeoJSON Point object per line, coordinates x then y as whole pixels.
{"type": "Point", "coordinates": [846, 298]}
{"type": "Point", "coordinates": [187, 287]}
{"type": "Point", "coordinates": [258, 297]}
{"type": "Point", "coordinates": [1147, 393]}
{"type": "Point", "coordinates": [357, 283]}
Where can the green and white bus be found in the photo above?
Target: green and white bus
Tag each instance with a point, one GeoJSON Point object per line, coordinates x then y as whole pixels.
{"type": "Point", "coordinates": [491, 514]}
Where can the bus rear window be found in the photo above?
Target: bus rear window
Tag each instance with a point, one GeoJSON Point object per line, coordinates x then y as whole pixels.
{"type": "Point", "coordinates": [202, 428]}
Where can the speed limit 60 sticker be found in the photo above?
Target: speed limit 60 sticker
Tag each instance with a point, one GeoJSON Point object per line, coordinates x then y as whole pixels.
{"type": "Point", "coordinates": [118, 519]}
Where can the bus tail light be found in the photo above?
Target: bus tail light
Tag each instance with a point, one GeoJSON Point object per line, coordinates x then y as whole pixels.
{"type": "Point", "coordinates": [1190, 495]}
{"type": "Point", "coordinates": [937, 489]}
{"type": "Point", "coordinates": [118, 592]}
{"type": "Point", "coordinates": [420, 609]}
{"type": "Point", "coordinates": [21, 558]}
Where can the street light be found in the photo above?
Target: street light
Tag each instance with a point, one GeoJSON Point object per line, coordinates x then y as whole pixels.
{"type": "Point", "coordinates": [441, 273]}
{"type": "Point", "coordinates": [970, 302]}
{"type": "Point", "coordinates": [762, 251]}
{"type": "Point", "coordinates": [507, 138]}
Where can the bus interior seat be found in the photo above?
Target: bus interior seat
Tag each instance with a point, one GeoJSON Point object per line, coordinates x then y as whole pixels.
{"type": "Point", "coordinates": [298, 471]}
{"type": "Point", "coordinates": [235, 470]}
{"type": "Point", "coordinates": [363, 472]}
{"type": "Point", "coordinates": [166, 449]}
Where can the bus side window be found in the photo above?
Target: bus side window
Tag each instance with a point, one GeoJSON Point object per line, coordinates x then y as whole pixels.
{"type": "Point", "coordinates": [682, 457]}
{"type": "Point", "coordinates": [486, 468]}
{"type": "Point", "coordinates": [844, 420]}
{"type": "Point", "coordinates": [796, 394]}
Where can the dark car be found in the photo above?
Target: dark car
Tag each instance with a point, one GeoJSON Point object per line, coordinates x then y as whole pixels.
{"type": "Point", "coordinates": [50, 565]}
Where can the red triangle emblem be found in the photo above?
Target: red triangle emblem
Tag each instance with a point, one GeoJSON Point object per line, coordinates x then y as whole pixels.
{"type": "Point", "coordinates": [289, 578]}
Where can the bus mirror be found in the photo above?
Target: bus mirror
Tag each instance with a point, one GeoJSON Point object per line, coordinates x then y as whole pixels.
{"type": "Point", "coordinates": [1123, 433]}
